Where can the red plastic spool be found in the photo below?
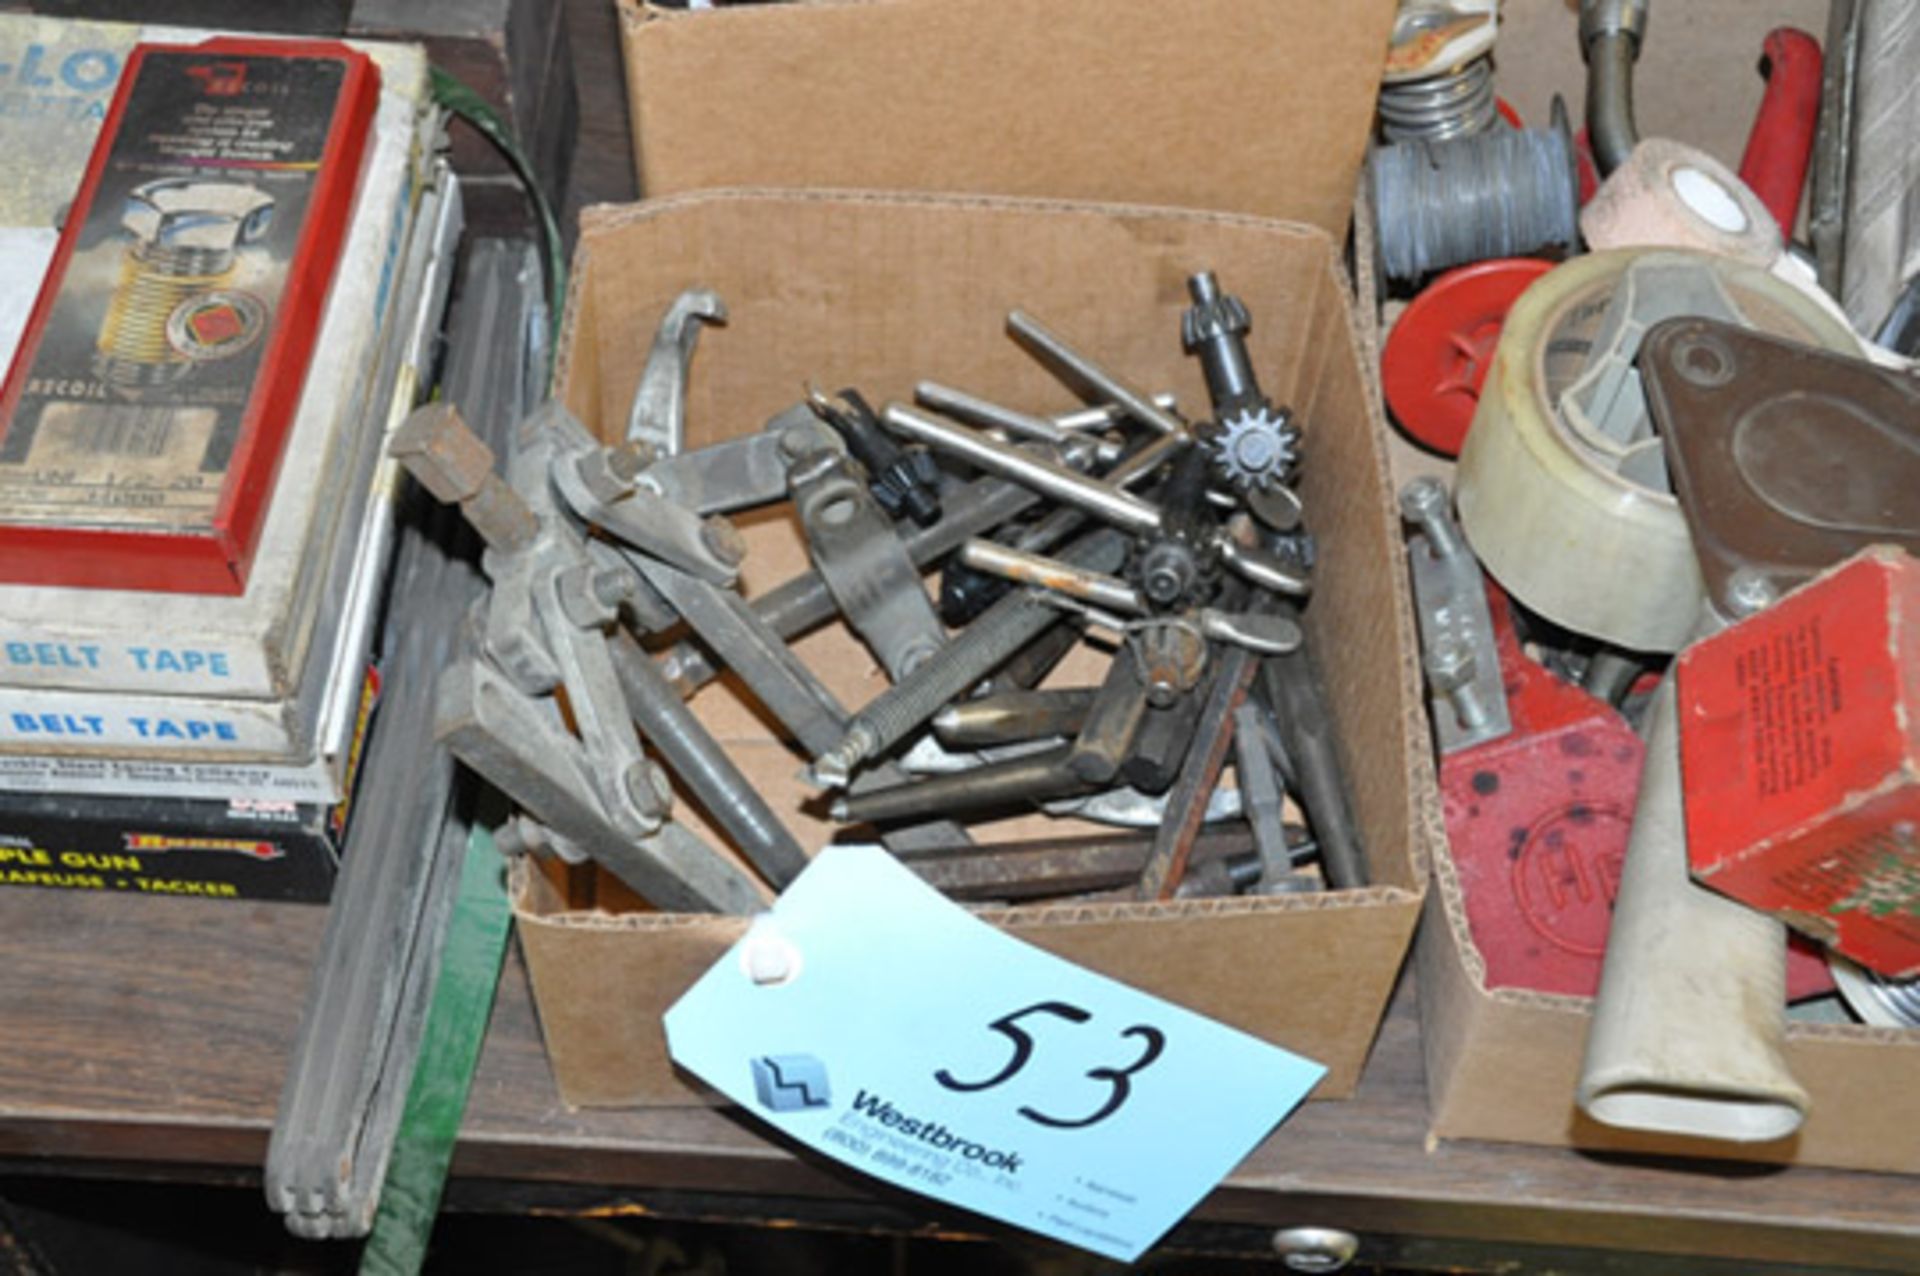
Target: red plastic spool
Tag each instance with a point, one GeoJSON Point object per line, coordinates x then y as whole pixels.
{"type": "Point", "coordinates": [1439, 351]}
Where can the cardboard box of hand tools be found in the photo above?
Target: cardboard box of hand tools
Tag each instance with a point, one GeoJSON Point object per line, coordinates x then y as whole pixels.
{"type": "Point", "coordinates": [879, 291]}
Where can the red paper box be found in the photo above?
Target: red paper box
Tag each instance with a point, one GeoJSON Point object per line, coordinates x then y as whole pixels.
{"type": "Point", "coordinates": [1800, 750]}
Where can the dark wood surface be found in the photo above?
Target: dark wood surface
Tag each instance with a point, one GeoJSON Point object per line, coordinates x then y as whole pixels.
{"type": "Point", "coordinates": [155, 1032]}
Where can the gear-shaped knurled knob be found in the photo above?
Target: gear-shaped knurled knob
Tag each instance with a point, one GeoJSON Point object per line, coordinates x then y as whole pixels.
{"type": "Point", "coordinates": [1257, 447]}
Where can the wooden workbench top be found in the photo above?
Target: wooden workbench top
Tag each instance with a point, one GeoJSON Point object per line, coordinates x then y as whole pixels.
{"type": "Point", "coordinates": [155, 1031]}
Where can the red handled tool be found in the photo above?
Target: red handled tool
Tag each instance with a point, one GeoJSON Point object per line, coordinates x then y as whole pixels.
{"type": "Point", "coordinates": [1781, 144]}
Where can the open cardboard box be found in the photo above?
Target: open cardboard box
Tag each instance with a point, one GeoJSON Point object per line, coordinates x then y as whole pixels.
{"type": "Point", "coordinates": [1251, 106]}
{"type": "Point", "coordinates": [1502, 1064]}
{"type": "Point", "coordinates": [883, 290]}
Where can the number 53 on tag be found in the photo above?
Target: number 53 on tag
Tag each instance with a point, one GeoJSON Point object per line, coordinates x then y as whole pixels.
{"type": "Point", "coordinates": [883, 1026]}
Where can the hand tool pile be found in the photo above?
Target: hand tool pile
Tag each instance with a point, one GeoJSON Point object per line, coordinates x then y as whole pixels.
{"type": "Point", "coordinates": [1177, 546]}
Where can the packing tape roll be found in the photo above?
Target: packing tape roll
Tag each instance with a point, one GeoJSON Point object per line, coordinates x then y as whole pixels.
{"type": "Point", "coordinates": [1669, 195]}
{"type": "Point", "coordinates": [1548, 509]}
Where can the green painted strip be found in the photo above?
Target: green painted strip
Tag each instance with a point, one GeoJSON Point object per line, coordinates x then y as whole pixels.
{"type": "Point", "coordinates": [449, 1052]}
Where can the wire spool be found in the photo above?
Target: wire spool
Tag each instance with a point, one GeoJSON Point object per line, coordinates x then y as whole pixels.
{"type": "Point", "coordinates": [1503, 193]}
{"type": "Point", "coordinates": [1562, 486]}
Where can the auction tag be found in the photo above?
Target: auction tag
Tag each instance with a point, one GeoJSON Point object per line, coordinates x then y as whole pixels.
{"type": "Point", "coordinates": [877, 1022]}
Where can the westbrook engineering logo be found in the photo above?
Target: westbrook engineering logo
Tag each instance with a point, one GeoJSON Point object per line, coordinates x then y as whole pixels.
{"type": "Point", "coordinates": [933, 1134]}
{"type": "Point", "coordinates": [798, 1083]}
{"type": "Point", "coordinates": [790, 1082]}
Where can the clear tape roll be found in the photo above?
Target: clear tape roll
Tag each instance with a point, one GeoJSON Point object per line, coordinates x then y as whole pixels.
{"type": "Point", "coordinates": [1562, 486]}
{"type": "Point", "coordinates": [1669, 195]}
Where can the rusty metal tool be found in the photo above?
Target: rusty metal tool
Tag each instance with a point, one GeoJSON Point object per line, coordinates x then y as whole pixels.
{"type": "Point", "coordinates": [739, 473]}
{"type": "Point", "coordinates": [906, 482]}
{"type": "Point", "coordinates": [545, 629]}
{"type": "Point", "coordinates": [994, 416]}
{"type": "Point", "coordinates": [1026, 668]}
{"type": "Point", "coordinates": [1260, 795]}
{"type": "Point", "coordinates": [1254, 444]}
{"type": "Point", "coordinates": [1465, 699]}
{"type": "Point", "coordinates": [973, 653]}
{"type": "Point", "coordinates": [1064, 866]}
{"type": "Point", "coordinates": [1160, 746]}
{"type": "Point", "coordinates": [856, 551]}
{"type": "Point", "coordinates": [1112, 722]}
{"type": "Point", "coordinates": [1233, 674]}
{"type": "Point", "coordinates": [1010, 717]}
{"type": "Point", "coordinates": [1293, 689]}
{"type": "Point", "coordinates": [1102, 499]}
{"type": "Point", "coordinates": [1082, 372]}
{"type": "Point", "coordinates": [719, 786]}
{"type": "Point", "coordinates": [1009, 783]}
{"type": "Point", "coordinates": [797, 699]}
{"type": "Point", "coordinates": [804, 603]}
{"type": "Point", "coordinates": [1107, 596]}
{"type": "Point", "coordinates": [658, 416]}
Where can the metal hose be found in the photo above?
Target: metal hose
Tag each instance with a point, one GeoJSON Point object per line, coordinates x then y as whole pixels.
{"type": "Point", "coordinates": [1610, 35]}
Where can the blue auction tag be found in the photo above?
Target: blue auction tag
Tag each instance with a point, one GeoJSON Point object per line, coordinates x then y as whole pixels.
{"type": "Point", "coordinates": [879, 1023]}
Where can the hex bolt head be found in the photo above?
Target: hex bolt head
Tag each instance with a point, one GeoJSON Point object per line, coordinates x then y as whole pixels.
{"type": "Point", "coordinates": [449, 460]}
{"type": "Point", "coordinates": [723, 540]}
{"type": "Point", "coordinates": [599, 471]}
{"type": "Point", "coordinates": [613, 586]}
{"type": "Point", "coordinates": [1748, 591]}
{"type": "Point", "coordinates": [652, 794]}
{"type": "Point", "coordinates": [1422, 499]}
{"type": "Point", "coordinates": [578, 589]}
{"type": "Point", "coordinates": [627, 460]}
{"type": "Point", "coordinates": [1426, 504]}
{"type": "Point", "coordinates": [796, 443]}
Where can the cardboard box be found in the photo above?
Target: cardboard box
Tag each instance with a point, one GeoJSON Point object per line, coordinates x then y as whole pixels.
{"type": "Point", "coordinates": [1801, 752]}
{"type": "Point", "coordinates": [880, 291]}
{"type": "Point", "coordinates": [1254, 106]}
{"type": "Point", "coordinates": [1502, 1064]}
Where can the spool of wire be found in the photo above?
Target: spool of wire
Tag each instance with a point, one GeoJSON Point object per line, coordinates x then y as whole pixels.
{"type": "Point", "coordinates": [1501, 193]}
{"type": "Point", "coordinates": [1455, 103]}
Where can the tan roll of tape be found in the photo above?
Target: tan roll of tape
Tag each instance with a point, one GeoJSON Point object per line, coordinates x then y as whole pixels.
{"type": "Point", "coordinates": [1669, 195]}
{"type": "Point", "coordinates": [1578, 526]}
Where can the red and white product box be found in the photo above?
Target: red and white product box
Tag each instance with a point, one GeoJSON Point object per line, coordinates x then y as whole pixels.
{"type": "Point", "coordinates": [1800, 751]}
